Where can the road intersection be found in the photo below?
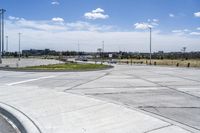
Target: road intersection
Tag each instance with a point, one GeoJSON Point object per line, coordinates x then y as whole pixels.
{"type": "Point", "coordinates": [123, 99]}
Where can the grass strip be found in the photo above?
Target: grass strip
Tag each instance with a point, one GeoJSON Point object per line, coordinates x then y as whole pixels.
{"type": "Point", "coordinates": [67, 66]}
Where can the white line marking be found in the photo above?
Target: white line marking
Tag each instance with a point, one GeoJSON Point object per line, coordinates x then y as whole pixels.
{"type": "Point", "coordinates": [29, 80]}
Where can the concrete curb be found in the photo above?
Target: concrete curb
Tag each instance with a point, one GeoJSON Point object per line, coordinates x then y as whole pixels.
{"type": "Point", "coordinates": [32, 70]}
{"type": "Point", "coordinates": [23, 123]}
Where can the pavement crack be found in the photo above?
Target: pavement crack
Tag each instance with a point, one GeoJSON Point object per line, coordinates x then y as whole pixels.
{"type": "Point", "coordinates": [108, 93]}
{"type": "Point", "coordinates": [177, 77]}
{"type": "Point", "coordinates": [87, 82]}
{"type": "Point", "coordinates": [174, 120]}
{"type": "Point", "coordinates": [160, 85]}
{"type": "Point", "coordinates": [142, 107]}
{"type": "Point", "coordinates": [159, 128]}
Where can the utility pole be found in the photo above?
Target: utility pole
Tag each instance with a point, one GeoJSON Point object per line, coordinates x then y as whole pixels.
{"type": "Point", "coordinates": [19, 45]}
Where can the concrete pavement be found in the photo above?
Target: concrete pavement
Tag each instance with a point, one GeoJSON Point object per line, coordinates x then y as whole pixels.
{"type": "Point", "coordinates": [58, 112]}
{"type": "Point", "coordinates": [14, 62]}
{"type": "Point", "coordinates": [124, 99]}
{"type": "Point", "coordinates": [169, 92]}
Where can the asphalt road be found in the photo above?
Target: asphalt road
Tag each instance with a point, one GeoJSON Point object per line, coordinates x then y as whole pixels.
{"type": "Point", "coordinates": [5, 127]}
{"type": "Point", "coordinates": [173, 93]}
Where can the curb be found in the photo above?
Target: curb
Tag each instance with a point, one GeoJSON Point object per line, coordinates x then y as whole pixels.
{"type": "Point", "coordinates": [23, 123]}
{"type": "Point", "coordinates": [32, 70]}
{"type": "Point", "coordinates": [15, 123]}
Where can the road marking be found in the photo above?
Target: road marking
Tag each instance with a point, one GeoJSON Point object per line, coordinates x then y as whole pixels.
{"type": "Point", "coordinates": [29, 80]}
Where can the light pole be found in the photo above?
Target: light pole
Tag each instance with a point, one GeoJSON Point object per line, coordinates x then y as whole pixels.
{"type": "Point", "coordinates": [150, 29]}
{"type": "Point", "coordinates": [19, 45]}
{"type": "Point", "coordinates": [2, 11]}
{"type": "Point", "coordinates": [0, 35]}
{"type": "Point", "coordinates": [184, 50]}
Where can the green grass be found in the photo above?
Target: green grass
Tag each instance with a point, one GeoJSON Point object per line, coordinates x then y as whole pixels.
{"type": "Point", "coordinates": [68, 67]}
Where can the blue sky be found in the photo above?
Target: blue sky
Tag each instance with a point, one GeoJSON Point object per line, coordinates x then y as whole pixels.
{"type": "Point", "coordinates": [121, 23]}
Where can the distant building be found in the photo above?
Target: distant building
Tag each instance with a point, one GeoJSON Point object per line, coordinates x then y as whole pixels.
{"type": "Point", "coordinates": [35, 52]}
{"type": "Point", "coordinates": [160, 52]}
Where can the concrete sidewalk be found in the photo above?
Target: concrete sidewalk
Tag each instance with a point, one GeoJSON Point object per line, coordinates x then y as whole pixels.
{"type": "Point", "coordinates": [58, 112]}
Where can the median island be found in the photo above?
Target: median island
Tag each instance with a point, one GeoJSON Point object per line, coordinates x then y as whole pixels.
{"type": "Point", "coordinates": [67, 67]}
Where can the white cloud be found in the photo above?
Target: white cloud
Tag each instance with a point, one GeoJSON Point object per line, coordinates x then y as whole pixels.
{"type": "Point", "coordinates": [186, 30]}
{"type": "Point", "coordinates": [55, 3]}
{"type": "Point", "coordinates": [98, 10]}
{"type": "Point", "coordinates": [171, 15]}
{"type": "Point", "coordinates": [57, 19]}
{"type": "Point", "coordinates": [195, 33]}
{"type": "Point", "coordinates": [197, 14]}
{"type": "Point", "coordinates": [96, 14]}
{"type": "Point", "coordinates": [13, 18]}
{"type": "Point", "coordinates": [85, 26]}
{"type": "Point", "coordinates": [198, 28]}
{"type": "Point", "coordinates": [57, 24]}
{"type": "Point", "coordinates": [181, 32]}
{"type": "Point", "coordinates": [177, 31]}
{"type": "Point", "coordinates": [152, 22]}
{"type": "Point", "coordinates": [155, 20]}
{"type": "Point", "coordinates": [142, 26]}
{"type": "Point", "coordinates": [35, 25]}
{"type": "Point", "coordinates": [47, 34]}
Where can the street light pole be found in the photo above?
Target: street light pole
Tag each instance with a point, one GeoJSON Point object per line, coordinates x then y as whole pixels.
{"type": "Point", "coordinates": [150, 43]}
{"type": "Point", "coordinates": [0, 35]}
{"type": "Point", "coordinates": [19, 45]}
{"type": "Point", "coordinates": [3, 11]}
